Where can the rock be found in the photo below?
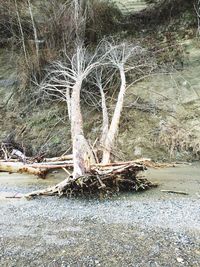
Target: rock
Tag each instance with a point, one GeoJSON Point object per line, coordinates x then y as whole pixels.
{"type": "Point", "coordinates": [8, 82]}
{"type": "Point", "coordinates": [179, 259]}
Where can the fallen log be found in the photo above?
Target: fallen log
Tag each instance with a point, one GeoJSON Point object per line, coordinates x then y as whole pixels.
{"type": "Point", "coordinates": [111, 166]}
{"type": "Point", "coordinates": [10, 160]}
{"type": "Point", "coordinates": [61, 165]}
{"type": "Point", "coordinates": [41, 169]}
{"type": "Point", "coordinates": [145, 161]}
{"type": "Point", "coordinates": [152, 164]}
{"type": "Point", "coordinates": [61, 158]}
{"type": "Point", "coordinates": [69, 163]}
{"type": "Point", "coordinates": [18, 167]}
{"type": "Point", "coordinates": [52, 165]}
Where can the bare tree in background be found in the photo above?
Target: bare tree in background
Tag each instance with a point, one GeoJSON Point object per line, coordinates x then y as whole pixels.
{"type": "Point", "coordinates": [197, 10]}
{"type": "Point", "coordinates": [34, 29]}
{"type": "Point", "coordinates": [21, 32]}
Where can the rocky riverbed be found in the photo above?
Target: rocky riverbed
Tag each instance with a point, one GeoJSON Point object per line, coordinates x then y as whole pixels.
{"type": "Point", "coordinates": [152, 228]}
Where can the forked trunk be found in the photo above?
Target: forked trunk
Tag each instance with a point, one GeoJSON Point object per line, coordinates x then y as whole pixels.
{"type": "Point", "coordinates": [114, 126]}
{"type": "Point", "coordinates": [82, 154]}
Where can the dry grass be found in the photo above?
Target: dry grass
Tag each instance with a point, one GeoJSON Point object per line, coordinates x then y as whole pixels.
{"type": "Point", "coordinates": [178, 139]}
{"type": "Point", "coordinates": [103, 18]}
{"type": "Point", "coordinates": [55, 28]}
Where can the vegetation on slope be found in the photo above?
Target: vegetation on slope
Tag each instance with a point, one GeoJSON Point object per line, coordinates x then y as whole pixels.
{"type": "Point", "coordinates": [52, 28]}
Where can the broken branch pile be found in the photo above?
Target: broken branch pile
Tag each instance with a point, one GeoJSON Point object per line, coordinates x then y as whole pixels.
{"type": "Point", "coordinates": [103, 180]}
{"type": "Point", "coordinates": [100, 180]}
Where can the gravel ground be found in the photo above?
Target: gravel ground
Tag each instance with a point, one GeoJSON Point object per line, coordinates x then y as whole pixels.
{"type": "Point", "coordinates": [148, 229]}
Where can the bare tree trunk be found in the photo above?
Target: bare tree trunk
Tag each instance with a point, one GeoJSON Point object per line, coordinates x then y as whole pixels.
{"type": "Point", "coordinates": [68, 100]}
{"type": "Point", "coordinates": [79, 20]}
{"type": "Point", "coordinates": [105, 116]}
{"type": "Point", "coordinates": [82, 154]}
{"type": "Point", "coordinates": [114, 126]}
{"type": "Point", "coordinates": [22, 33]}
{"type": "Point", "coordinates": [34, 30]}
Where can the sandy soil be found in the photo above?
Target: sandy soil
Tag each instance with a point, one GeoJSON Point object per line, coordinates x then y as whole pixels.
{"type": "Point", "coordinates": [144, 229]}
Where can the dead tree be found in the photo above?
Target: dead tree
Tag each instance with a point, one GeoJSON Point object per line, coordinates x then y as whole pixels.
{"type": "Point", "coordinates": [65, 81]}
{"type": "Point", "coordinates": [117, 57]}
{"type": "Point", "coordinates": [66, 78]}
{"type": "Point", "coordinates": [34, 30]}
{"type": "Point", "coordinates": [21, 32]}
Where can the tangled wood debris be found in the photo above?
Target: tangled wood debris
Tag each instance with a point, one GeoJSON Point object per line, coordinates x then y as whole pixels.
{"type": "Point", "coordinates": [103, 180]}
{"type": "Point", "coordinates": [40, 169]}
{"type": "Point", "coordinates": [17, 162]}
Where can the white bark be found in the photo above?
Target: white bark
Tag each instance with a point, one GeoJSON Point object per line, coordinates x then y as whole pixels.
{"type": "Point", "coordinates": [101, 84]}
{"type": "Point", "coordinates": [114, 126]}
{"type": "Point", "coordinates": [105, 123]}
{"type": "Point", "coordinates": [197, 9]}
{"type": "Point", "coordinates": [77, 131]}
{"type": "Point", "coordinates": [82, 154]}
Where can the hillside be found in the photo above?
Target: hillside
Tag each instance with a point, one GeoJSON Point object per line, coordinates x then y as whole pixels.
{"type": "Point", "coordinates": [165, 105]}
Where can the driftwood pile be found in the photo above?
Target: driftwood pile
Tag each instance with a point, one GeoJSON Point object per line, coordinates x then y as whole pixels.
{"type": "Point", "coordinates": [102, 180]}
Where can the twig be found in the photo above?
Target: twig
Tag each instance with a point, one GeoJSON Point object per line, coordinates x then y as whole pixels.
{"type": "Point", "coordinates": [174, 192]}
{"type": "Point", "coordinates": [102, 185]}
{"type": "Point", "coordinates": [66, 171]}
